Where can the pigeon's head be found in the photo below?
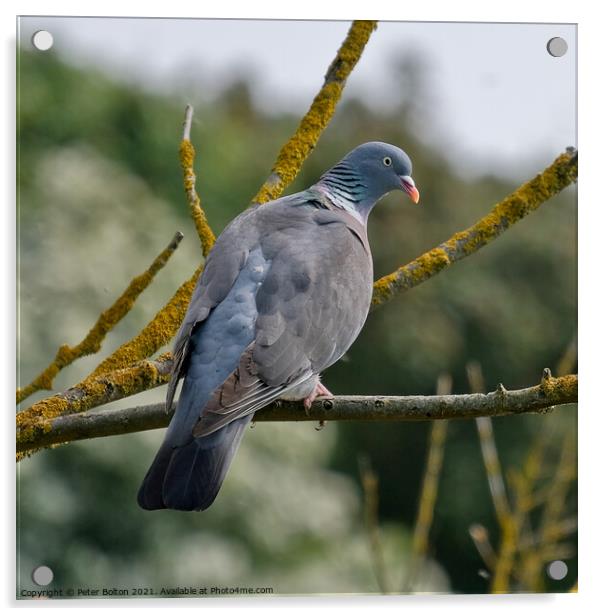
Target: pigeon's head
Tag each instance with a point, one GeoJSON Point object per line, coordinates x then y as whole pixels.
{"type": "Point", "coordinates": [384, 168]}
{"type": "Point", "coordinates": [366, 174]}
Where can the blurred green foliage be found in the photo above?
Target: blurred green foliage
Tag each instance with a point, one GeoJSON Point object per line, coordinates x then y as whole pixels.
{"type": "Point", "coordinates": [100, 194]}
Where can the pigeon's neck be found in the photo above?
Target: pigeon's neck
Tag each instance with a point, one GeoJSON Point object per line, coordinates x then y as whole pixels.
{"type": "Point", "coordinates": [343, 188]}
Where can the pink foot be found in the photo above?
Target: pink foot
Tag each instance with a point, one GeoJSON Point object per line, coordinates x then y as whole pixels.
{"type": "Point", "coordinates": [320, 391]}
{"type": "Point", "coordinates": [323, 392]}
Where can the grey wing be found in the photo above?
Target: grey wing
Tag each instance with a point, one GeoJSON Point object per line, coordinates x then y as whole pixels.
{"type": "Point", "coordinates": [221, 270]}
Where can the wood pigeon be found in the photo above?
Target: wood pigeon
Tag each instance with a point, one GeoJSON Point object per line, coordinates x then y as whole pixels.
{"type": "Point", "coordinates": [285, 291]}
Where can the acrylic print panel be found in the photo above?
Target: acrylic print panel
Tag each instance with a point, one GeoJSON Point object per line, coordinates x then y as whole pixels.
{"type": "Point", "coordinates": [380, 502]}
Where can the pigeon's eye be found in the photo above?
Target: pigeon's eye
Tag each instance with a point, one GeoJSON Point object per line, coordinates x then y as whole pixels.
{"type": "Point", "coordinates": [387, 162]}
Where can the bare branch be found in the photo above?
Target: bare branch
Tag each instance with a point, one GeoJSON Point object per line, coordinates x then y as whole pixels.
{"type": "Point", "coordinates": [298, 147]}
{"type": "Point", "coordinates": [43, 431]}
{"type": "Point", "coordinates": [514, 525]}
{"type": "Point", "coordinates": [553, 525]}
{"type": "Point", "coordinates": [491, 459]}
{"type": "Point", "coordinates": [91, 344]}
{"type": "Point", "coordinates": [187, 156]}
{"type": "Point", "coordinates": [428, 495]}
{"type": "Point", "coordinates": [479, 534]}
{"type": "Point", "coordinates": [369, 481]}
{"type": "Point", "coordinates": [526, 199]}
{"type": "Point", "coordinates": [187, 124]}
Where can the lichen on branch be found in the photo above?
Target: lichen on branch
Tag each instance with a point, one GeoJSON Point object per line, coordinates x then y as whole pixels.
{"type": "Point", "coordinates": [157, 333]}
{"type": "Point", "coordinates": [91, 344]}
{"type": "Point", "coordinates": [34, 422]}
{"type": "Point", "coordinates": [164, 325]}
{"type": "Point", "coordinates": [526, 199]}
{"type": "Point", "coordinates": [187, 157]}
{"type": "Point", "coordinates": [298, 147]}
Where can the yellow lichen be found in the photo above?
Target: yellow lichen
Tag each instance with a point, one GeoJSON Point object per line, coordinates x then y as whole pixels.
{"type": "Point", "coordinates": [297, 149]}
{"type": "Point", "coordinates": [91, 392]}
{"type": "Point", "coordinates": [526, 199]}
{"type": "Point", "coordinates": [206, 235]}
{"type": "Point", "coordinates": [157, 333]}
{"type": "Point", "coordinates": [559, 387]}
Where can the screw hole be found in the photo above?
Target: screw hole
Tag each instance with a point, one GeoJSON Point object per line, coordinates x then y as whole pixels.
{"type": "Point", "coordinates": [557, 47]}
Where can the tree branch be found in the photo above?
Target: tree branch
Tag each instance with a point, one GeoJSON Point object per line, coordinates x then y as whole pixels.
{"type": "Point", "coordinates": [157, 333]}
{"type": "Point", "coordinates": [91, 344]}
{"type": "Point", "coordinates": [298, 147]}
{"type": "Point", "coordinates": [526, 199]}
{"type": "Point", "coordinates": [538, 399]}
{"type": "Point", "coordinates": [37, 420]}
{"type": "Point", "coordinates": [491, 459]}
{"type": "Point", "coordinates": [369, 481]}
{"type": "Point", "coordinates": [187, 155]}
{"type": "Point", "coordinates": [162, 328]}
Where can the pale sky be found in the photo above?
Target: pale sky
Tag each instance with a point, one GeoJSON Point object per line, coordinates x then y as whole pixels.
{"type": "Point", "coordinates": [498, 101]}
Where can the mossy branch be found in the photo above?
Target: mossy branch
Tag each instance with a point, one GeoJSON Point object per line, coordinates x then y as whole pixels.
{"type": "Point", "coordinates": [526, 199]}
{"type": "Point", "coordinates": [299, 146]}
{"type": "Point", "coordinates": [157, 333]}
{"type": "Point", "coordinates": [164, 325]}
{"type": "Point", "coordinates": [187, 156]}
{"type": "Point", "coordinates": [43, 430]}
{"type": "Point", "coordinates": [37, 421]}
{"type": "Point", "coordinates": [91, 344]}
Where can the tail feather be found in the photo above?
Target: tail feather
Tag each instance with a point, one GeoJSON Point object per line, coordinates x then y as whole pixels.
{"type": "Point", "coordinates": [189, 477]}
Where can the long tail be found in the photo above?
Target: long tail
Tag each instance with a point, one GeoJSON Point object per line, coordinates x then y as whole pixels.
{"type": "Point", "coordinates": [188, 477]}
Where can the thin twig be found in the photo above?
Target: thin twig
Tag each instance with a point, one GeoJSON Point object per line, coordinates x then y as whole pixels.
{"type": "Point", "coordinates": [526, 199]}
{"type": "Point", "coordinates": [428, 495]}
{"type": "Point", "coordinates": [480, 537]}
{"type": "Point", "coordinates": [513, 525]}
{"type": "Point", "coordinates": [92, 343]}
{"type": "Point", "coordinates": [551, 528]}
{"type": "Point", "coordinates": [56, 428]}
{"type": "Point", "coordinates": [555, 532]}
{"type": "Point", "coordinates": [299, 146]}
{"type": "Point", "coordinates": [187, 156]}
{"type": "Point", "coordinates": [369, 481]}
{"type": "Point", "coordinates": [491, 459]}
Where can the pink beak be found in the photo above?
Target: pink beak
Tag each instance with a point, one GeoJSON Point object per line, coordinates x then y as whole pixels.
{"type": "Point", "coordinates": [407, 184]}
